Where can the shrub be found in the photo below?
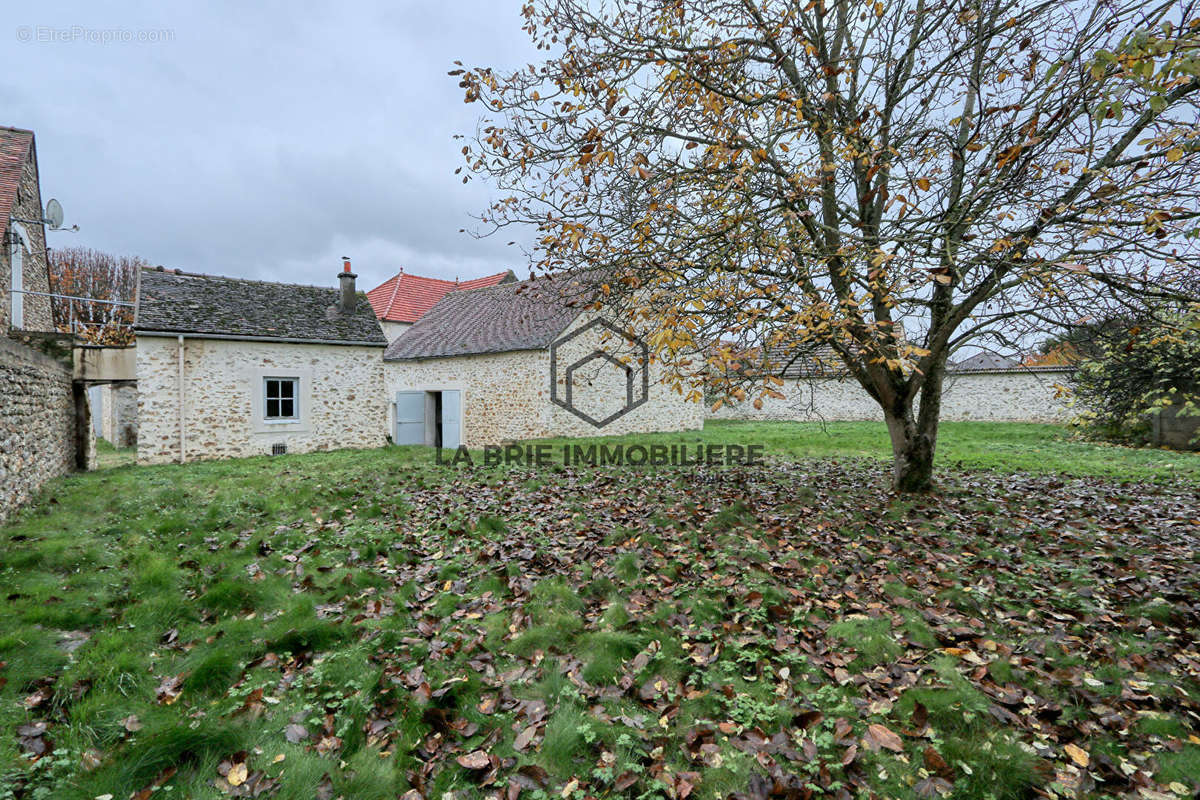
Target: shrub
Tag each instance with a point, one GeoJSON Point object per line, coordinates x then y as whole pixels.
{"type": "Point", "coordinates": [1136, 370]}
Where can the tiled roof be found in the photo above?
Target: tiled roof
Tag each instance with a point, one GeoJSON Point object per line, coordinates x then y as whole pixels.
{"type": "Point", "coordinates": [527, 315]}
{"type": "Point", "coordinates": [405, 297]}
{"type": "Point", "coordinates": [15, 144]}
{"type": "Point", "coordinates": [183, 302]}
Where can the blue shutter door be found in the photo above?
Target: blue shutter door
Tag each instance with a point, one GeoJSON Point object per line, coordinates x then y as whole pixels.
{"type": "Point", "coordinates": [451, 419]}
{"type": "Point", "coordinates": [410, 418]}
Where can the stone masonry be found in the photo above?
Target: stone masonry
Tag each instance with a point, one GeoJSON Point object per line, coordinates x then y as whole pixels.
{"type": "Point", "coordinates": [506, 396]}
{"type": "Point", "coordinates": [343, 408]}
{"type": "Point", "coordinates": [1016, 395]}
{"type": "Point", "coordinates": [35, 276]}
{"type": "Point", "coordinates": [37, 422]}
{"type": "Point", "coordinates": [118, 410]}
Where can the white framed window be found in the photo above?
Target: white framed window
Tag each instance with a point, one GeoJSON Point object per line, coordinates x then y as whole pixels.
{"type": "Point", "coordinates": [281, 398]}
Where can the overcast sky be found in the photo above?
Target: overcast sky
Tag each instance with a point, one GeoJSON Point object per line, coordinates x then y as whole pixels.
{"type": "Point", "coordinates": [263, 140]}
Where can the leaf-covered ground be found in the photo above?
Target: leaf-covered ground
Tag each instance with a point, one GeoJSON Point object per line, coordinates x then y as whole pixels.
{"type": "Point", "coordinates": [364, 626]}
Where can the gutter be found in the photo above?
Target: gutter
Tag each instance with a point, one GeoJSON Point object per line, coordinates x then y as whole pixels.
{"type": "Point", "coordinates": [284, 339]}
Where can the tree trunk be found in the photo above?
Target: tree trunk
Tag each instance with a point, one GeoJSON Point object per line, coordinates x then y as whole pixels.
{"type": "Point", "coordinates": [914, 437]}
{"type": "Point", "coordinates": [912, 452]}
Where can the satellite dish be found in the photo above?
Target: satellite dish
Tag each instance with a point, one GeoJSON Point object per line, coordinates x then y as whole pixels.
{"type": "Point", "coordinates": [54, 214]}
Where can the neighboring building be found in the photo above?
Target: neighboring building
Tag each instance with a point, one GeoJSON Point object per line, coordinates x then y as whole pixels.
{"type": "Point", "coordinates": [228, 367]}
{"type": "Point", "coordinates": [986, 361]}
{"type": "Point", "coordinates": [477, 369]}
{"type": "Point", "coordinates": [404, 298]}
{"type": "Point", "coordinates": [23, 266]}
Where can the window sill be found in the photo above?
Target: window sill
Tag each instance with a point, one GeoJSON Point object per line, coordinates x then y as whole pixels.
{"type": "Point", "coordinates": [282, 421]}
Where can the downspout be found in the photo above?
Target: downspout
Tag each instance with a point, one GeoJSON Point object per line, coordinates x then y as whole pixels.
{"type": "Point", "coordinates": [182, 438]}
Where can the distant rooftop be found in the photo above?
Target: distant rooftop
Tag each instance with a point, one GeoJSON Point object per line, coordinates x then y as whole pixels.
{"type": "Point", "coordinates": [405, 297]}
{"type": "Point", "coordinates": [525, 315]}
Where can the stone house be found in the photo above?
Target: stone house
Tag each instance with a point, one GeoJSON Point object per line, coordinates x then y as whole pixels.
{"type": "Point", "coordinates": [228, 367]}
{"type": "Point", "coordinates": [404, 298]}
{"type": "Point", "coordinates": [523, 360]}
{"type": "Point", "coordinates": [45, 430]}
{"type": "Point", "coordinates": [23, 266]}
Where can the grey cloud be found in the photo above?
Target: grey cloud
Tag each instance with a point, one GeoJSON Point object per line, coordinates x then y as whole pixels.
{"type": "Point", "coordinates": [265, 141]}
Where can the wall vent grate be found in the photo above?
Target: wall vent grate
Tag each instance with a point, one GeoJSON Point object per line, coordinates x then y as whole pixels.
{"type": "Point", "coordinates": [278, 449]}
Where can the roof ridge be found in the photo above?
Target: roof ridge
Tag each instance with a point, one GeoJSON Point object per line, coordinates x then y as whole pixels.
{"type": "Point", "coordinates": [395, 291]}
{"type": "Point", "coordinates": [180, 272]}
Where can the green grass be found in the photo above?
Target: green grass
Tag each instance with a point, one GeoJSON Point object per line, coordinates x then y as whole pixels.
{"type": "Point", "coordinates": [1005, 446]}
{"type": "Point", "coordinates": [406, 613]}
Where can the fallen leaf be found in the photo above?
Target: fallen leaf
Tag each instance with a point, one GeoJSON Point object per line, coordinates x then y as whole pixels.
{"type": "Point", "coordinates": [878, 736]}
{"type": "Point", "coordinates": [476, 759]}
{"type": "Point", "coordinates": [1077, 754]}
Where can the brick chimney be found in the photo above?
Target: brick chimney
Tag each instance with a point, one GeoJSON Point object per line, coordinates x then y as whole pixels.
{"type": "Point", "coordinates": [349, 298]}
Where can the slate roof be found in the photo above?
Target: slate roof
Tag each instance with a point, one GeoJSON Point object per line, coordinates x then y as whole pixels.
{"type": "Point", "coordinates": [172, 301]}
{"type": "Point", "coordinates": [986, 361]}
{"type": "Point", "coordinates": [526, 315]}
{"type": "Point", "coordinates": [405, 297]}
{"type": "Point", "coordinates": [15, 145]}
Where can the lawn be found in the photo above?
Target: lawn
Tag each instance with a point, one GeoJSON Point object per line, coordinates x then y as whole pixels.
{"type": "Point", "coordinates": [372, 624]}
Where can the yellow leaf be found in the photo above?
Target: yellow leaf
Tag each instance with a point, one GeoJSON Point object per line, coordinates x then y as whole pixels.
{"type": "Point", "coordinates": [1077, 754]}
{"type": "Point", "coordinates": [1174, 154]}
{"type": "Point", "coordinates": [923, 184]}
{"type": "Point", "coordinates": [237, 774]}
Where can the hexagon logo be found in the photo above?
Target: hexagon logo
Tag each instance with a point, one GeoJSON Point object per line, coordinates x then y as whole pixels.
{"type": "Point", "coordinates": [620, 385]}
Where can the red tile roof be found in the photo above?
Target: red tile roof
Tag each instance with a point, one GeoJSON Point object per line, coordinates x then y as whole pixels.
{"type": "Point", "coordinates": [14, 150]}
{"type": "Point", "coordinates": [406, 298]}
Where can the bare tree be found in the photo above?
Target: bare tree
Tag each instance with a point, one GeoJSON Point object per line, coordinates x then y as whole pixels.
{"type": "Point", "coordinates": [891, 180]}
{"type": "Point", "coordinates": [80, 272]}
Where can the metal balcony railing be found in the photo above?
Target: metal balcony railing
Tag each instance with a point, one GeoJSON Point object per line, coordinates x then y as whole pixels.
{"type": "Point", "coordinates": [80, 327]}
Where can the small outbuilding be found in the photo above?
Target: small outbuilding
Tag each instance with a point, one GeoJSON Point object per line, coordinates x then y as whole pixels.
{"type": "Point", "coordinates": [230, 367]}
{"type": "Point", "coordinates": [524, 360]}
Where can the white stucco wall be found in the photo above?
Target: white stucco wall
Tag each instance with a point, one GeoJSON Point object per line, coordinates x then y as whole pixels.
{"type": "Point", "coordinates": [1006, 396]}
{"type": "Point", "coordinates": [393, 329]}
{"type": "Point", "coordinates": [506, 396]}
{"type": "Point", "coordinates": [344, 406]}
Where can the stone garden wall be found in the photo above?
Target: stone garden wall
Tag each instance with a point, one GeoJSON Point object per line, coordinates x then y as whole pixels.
{"type": "Point", "coordinates": [38, 439]}
{"type": "Point", "coordinates": [1018, 395]}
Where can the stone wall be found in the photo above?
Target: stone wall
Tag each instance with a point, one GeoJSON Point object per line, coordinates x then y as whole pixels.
{"type": "Point", "coordinates": [341, 403]}
{"type": "Point", "coordinates": [35, 277]}
{"type": "Point", "coordinates": [38, 438]}
{"type": "Point", "coordinates": [501, 396]}
{"type": "Point", "coordinates": [506, 396]}
{"type": "Point", "coordinates": [1177, 427]}
{"type": "Point", "coordinates": [118, 414]}
{"type": "Point", "coordinates": [1023, 395]}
